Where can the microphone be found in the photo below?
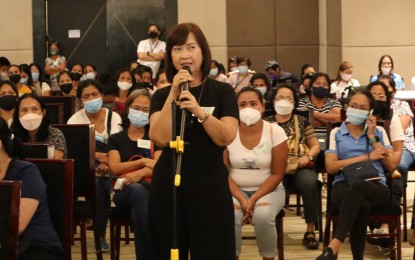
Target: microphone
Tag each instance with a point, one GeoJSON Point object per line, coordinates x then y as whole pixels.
{"type": "Point", "coordinates": [185, 85]}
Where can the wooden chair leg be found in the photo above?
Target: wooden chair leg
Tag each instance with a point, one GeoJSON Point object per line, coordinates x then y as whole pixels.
{"type": "Point", "coordinates": [117, 241]}
{"type": "Point", "coordinates": [112, 240]}
{"type": "Point", "coordinates": [82, 233]}
{"type": "Point", "coordinates": [405, 218]}
{"type": "Point", "coordinates": [280, 238]}
{"type": "Point", "coordinates": [127, 234]}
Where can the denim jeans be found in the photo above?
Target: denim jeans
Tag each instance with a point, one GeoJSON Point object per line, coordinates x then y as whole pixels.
{"type": "Point", "coordinates": [134, 198]}
{"type": "Point", "coordinates": [103, 191]}
{"type": "Point", "coordinates": [263, 220]}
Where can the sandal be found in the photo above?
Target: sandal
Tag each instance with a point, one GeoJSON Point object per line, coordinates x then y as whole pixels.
{"type": "Point", "coordinates": [310, 241]}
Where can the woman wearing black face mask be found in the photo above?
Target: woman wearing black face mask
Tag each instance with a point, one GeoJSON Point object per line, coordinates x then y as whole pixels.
{"type": "Point", "coordinates": [67, 88]}
{"type": "Point", "coordinates": [8, 100]}
{"type": "Point", "coordinates": [76, 72]}
{"type": "Point", "coordinates": [14, 75]}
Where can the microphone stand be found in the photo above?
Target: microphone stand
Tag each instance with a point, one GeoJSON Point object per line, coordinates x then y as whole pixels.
{"type": "Point", "coordinates": [177, 144]}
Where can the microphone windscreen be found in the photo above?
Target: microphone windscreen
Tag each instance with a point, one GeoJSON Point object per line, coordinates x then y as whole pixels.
{"type": "Point", "coordinates": [185, 67]}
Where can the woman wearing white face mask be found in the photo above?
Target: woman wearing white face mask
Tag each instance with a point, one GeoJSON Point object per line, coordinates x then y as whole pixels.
{"type": "Point", "coordinates": [134, 141]}
{"type": "Point", "coordinates": [343, 80]}
{"type": "Point", "coordinates": [125, 82]}
{"type": "Point", "coordinates": [385, 67]}
{"type": "Point", "coordinates": [304, 180]}
{"type": "Point", "coordinates": [31, 124]}
{"type": "Point", "coordinates": [106, 123]}
{"type": "Point", "coordinates": [214, 72]}
{"type": "Point", "coordinates": [256, 160]}
{"type": "Point", "coordinates": [242, 78]}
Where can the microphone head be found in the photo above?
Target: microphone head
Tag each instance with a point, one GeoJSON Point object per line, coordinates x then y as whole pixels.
{"type": "Point", "coordinates": [185, 67]}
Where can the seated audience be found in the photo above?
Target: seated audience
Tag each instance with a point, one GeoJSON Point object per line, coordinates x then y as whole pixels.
{"type": "Point", "coordinates": [31, 125]}
{"type": "Point", "coordinates": [106, 123]}
{"type": "Point", "coordinates": [350, 143]}
{"type": "Point", "coordinates": [8, 100]}
{"type": "Point", "coordinates": [256, 160]}
{"type": "Point", "coordinates": [35, 226]}
{"type": "Point", "coordinates": [261, 82]}
{"type": "Point", "coordinates": [90, 71]}
{"type": "Point", "coordinates": [161, 79]}
{"type": "Point", "coordinates": [214, 72]}
{"type": "Point", "coordinates": [40, 86]}
{"type": "Point", "coordinates": [343, 80]}
{"type": "Point", "coordinates": [133, 196]}
{"type": "Point", "coordinates": [125, 80]}
{"type": "Point", "coordinates": [385, 67]}
{"type": "Point", "coordinates": [277, 75]}
{"type": "Point", "coordinates": [14, 75]}
{"type": "Point", "coordinates": [4, 64]}
{"type": "Point", "coordinates": [242, 77]}
{"type": "Point", "coordinates": [304, 180]}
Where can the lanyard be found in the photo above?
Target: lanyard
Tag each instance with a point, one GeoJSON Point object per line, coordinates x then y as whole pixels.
{"type": "Point", "coordinates": [151, 45]}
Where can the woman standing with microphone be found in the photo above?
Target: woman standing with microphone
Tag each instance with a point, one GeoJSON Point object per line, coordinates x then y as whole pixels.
{"type": "Point", "coordinates": [205, 209]}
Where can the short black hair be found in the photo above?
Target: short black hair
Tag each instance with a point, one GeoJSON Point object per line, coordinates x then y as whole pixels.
{"type": "Point", "coordinates": [250, 88]}
{"type": "Point", "coordinates": [4, 62]}
{"type": "Point", "coordinates": [86, 83]}
{"type": "Point", "coordinates": [293, 90]}
{"type": "Point", "coordinates": [11, 144]}
{"type": "Point", "coordinates": [260, 76]}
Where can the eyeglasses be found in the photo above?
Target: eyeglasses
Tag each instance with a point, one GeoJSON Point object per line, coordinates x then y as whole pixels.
{"type": "Point", "coordinates": [386, 63]}
{"type": "Point", "coordinates": [284, 98]}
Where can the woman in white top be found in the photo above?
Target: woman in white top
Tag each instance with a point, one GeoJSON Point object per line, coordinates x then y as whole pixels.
{"type": "Point", "coordinates": [106, 123]}
{"type": "Point", "coordinates": [256, 160]}
{"type": "Point", "coordinates": [343, 80]}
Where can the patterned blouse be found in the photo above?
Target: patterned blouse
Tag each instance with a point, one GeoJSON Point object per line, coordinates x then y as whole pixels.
{"type": "Point", "coordinates": [306, 132]}
{"type": "Point", "coordinates": [57, 140]}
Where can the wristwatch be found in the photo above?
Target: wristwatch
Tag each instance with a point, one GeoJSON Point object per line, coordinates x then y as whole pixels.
{"type": "Point", "coordinates": [374, 139]}
{"type": "Point", "coordinates": [310, 157]}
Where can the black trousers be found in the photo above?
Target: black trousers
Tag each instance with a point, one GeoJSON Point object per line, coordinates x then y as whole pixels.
{"type": "Point", "coordinates": [205, 227]}
{"type": "Point", "coordinates": [355, 204]}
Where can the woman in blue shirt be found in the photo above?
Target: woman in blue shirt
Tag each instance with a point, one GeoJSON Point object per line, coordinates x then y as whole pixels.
{"type": "Point", "coordinates": [350, 143]}
{"type": "Point", "coordinates": [385, 67]}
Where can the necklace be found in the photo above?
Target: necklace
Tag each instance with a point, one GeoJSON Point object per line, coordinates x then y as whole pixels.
{"type": "Point", "coordinates": [201, 91]}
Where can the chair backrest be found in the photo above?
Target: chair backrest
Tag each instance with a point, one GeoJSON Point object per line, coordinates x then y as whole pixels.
{"type": "Point", "coordinates": [58, 177]}
{"type": "Point", "coordinates": [9, 218]}
{"type": "Point", "coordinates": [59, 109]}
{"type": "Point", "coordinates": [35, 150]}
{"type": "Point", "coordinates": [80, 145]}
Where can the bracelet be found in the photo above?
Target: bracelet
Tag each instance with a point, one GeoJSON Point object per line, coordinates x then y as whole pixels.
{"type": "Point", "coordinates": [207, 115]}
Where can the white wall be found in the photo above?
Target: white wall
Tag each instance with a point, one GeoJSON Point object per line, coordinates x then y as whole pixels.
{"type": "Point", "coordinates": [16, 41]}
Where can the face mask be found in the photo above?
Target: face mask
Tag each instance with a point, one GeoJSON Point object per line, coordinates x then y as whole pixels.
{"type": "Point", "coordinates": [152, 35]}
{"type": "Point", "coordinates": [24, 80]}
{"type": "Point", "coordinates": [320, 92]}
{"type": "Point", "coordinates": [345, 77]}
{"type": "Point", "coordinates": [90, 75]}
{"type": "Point", "coordinates": [386, 71]}
{"type": "Point", "coordinates": [110, 105]}
{"type": "Point", "coordinates": [66, 88]}
{"type": "Point", "coordinates": [283, 107]}
{"type": "Point", "coordinates": [15, 78]}
{"type": "Point", "coordinates": [124, 85]}
{"type": "Point", "coordinates": [274, 77]}
{"type": "Point", "coordinates": [31, 121]}
{"type": "Point", "coordinates": [4, 76]}
{"type": "Point", "coordinates": [35, 76]}
{"type": "Point", "coordinates": [243, 69]}
{"type": "Point", "coordinates": [263, 90]}
{"type": "Point", "coordinates": [249, 116]}
{"type": "Point", "coordinates": [214, 72]}
{"type": "Point", "coordinates": [234, 68]}
{"type": "Point", "coordinates": [75, 76]}
{"type": "Point", "coordinates": [8, 102]}
{"type": "Point", "coordinates": [54, 52]}
{"type": "Point", "coordinates": [83, 78]}
{"type": "Point", "coordinates": [93, 106]}
{"type": "Point", "coordinates": [380, 107]}
{"type": "Point", "coordinates": [356, 116]}
{"type": "Point", "coordinates": [137, 118]}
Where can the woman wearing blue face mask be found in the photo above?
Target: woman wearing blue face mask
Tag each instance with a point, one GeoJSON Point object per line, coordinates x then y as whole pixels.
{"type": "Point", "coordinates": [133, 142]}
{"type": "Point", "coordinates": [215, 73]}
{"type": "Point", "coordinates": [349, 143]}
{"type": "Point", "coordinates": [40, 86]}
{"type": "Point", "coordinates": [243, 76]}
{"type": "Point", "coordinates": [106, 123]}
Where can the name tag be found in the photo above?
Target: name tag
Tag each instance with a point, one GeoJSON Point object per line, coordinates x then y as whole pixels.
{"type": "Point", "coordinates": [146, 144]}
{"type": "Point", "coordinates": [263, 148]}
{"type": "Point", "coordinates": [207, 109]}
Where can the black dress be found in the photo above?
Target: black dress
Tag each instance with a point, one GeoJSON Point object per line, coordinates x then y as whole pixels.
{"type": "Point", "coordinates": [205, 208]}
